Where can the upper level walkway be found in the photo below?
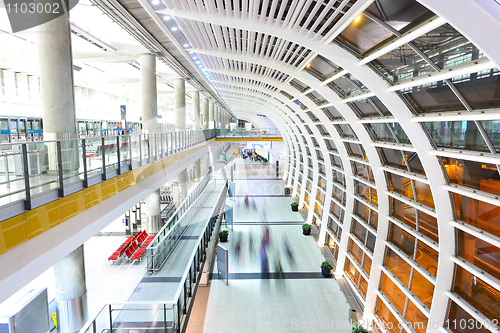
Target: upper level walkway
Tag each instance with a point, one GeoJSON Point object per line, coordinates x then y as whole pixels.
{"type": "Point", "coordinates": [68, 190]}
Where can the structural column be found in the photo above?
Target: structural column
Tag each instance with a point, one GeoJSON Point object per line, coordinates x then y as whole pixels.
{"type": "Point", "coordinates": [149, 101]}
{"type": "Point", "coordinates": [180, 125]}
{"type": "Point", "coordinates": [57, 91]}
{"type": "Point", "coordinates": [71, 292]}
{"type": "Point", "coordinates": [205, 108]}
{"type": "Point", "coordinates": [211, 113]}
{"type": "Point", "coordinates": [196, 110]}
{"type": "Point", "coordinates": [148, 93]}
{"type": "Point", "coordinates": [197, 169]}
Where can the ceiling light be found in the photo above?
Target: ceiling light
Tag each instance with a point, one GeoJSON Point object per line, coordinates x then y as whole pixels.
{"type": "Point", "coordinates": [198, 62]}
{"type": "Point", "coordinates": [166, 17]}
{"type": "Point", "coordinates": [194, 57]}
{"type": "Point", "coordinates": [186, 45]}
{"type": "Point", "coordinates": [356, 20]}
{"type": "Point", "coordinates": [190, 52]}
{"type": "Point", "coordinates": [174, 29]}
{"type": "Point", "coordinates": [155, 2]}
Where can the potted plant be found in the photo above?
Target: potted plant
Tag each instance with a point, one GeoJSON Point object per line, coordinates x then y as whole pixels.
{"type": "Point", "coordinates": [288, 190]}
{"type": "Point", "coordinates": [359, 329]}
{"type": "Point", "coordinates": [306, 229]}
{"type": "Point", "coordinates": [295, 207]}
{"type": "Point", "coordinates": [223, 235]}
{"type": "Point", "coordinates": [326, 269]}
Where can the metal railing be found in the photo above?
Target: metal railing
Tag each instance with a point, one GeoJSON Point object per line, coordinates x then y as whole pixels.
{"type": "Point", "coordinates": [164, 316]}
{"type": "Point", "coordinates": [255, 133]}
{"type": "Point", "coordinates": [169, 235]}
{"type": "Point", "coordinates": [35, 173]}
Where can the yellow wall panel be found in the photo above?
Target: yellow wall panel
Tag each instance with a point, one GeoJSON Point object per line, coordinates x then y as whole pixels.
{"type": "Point", "coordinates": [92, 196]}
{"type": "Point", "coordinates": [122, 182]}
{"type": "Point", "coordinates": [15, 231]}
{"type": "Point", "coordinates": [109, 188]}
{"type": "Point", "coordinates": [72, 205]}
{"type": "Point", "coordinates": [43, 218]}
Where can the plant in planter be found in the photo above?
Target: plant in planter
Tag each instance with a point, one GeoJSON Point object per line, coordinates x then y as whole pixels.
{"type": "Point", "coordinates": [359, 329]}
{"type": "Point", "coordinates": [326, 269]}
{"type": "Point", "coordinates": [288, 190]}
{"type": "Point", "coordinates": [295, 207]}
{"type": "Point", "coordinates": [223, 235]}
{"type": "Point", "coordinates": [306, 229]}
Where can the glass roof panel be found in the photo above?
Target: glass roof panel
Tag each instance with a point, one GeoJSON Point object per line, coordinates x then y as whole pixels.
{"type": "Point", "coordinates": [401, 64]}
{"type": "Point", "coordinates": [457, 134]}
{"type": "Point", "coordinates": [400, 14]}
{"type": "Point", "coordinates": [447, 47]}
{"type": "Point", "coordinates": [433, 98]}
{"type": "Point", "coordinates": [481, 90]}
{"type": "Point", "coordinates": [363, 34]}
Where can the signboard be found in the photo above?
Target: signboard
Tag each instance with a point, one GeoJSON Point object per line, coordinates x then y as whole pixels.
{"type": "Point", "coordinates": [259, 144]}
{"type": "Point", "coordinates": [223, 262]}
{"type": "Point", "coordinates": [123, 115]}
{"type": "Point", "coordinates": [228, 213]}
{"type": "Point", "coordinates": [248, 126]}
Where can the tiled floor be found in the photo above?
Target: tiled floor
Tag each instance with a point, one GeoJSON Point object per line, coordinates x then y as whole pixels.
{"type": "Point", "coordinates": [300, 301]}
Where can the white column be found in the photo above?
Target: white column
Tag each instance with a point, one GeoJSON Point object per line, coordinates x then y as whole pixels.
{"type": "Point", "coordinates": [180, 104]}
{"type": "Point", "coordinates": [71, 291]}
{"type": "Point", "coordinates": [196, 110]}
{"type": "Point", "coordinates": [148, 93]}
{"type": "Point", "coordinates": [152, 210]}
{"type": "Point", "coordinates": [57, 93]}
{"type": "Point", "coordinates": [205, 108]}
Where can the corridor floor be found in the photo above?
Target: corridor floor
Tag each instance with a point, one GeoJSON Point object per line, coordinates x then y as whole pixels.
{"type": "Point", "coordinates": [299, 299]}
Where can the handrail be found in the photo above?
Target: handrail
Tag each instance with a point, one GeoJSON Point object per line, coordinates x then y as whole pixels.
{"type": "Point", "coordinates": [190, 278]}
{"type": "Point", "coordinates": [162, 238]}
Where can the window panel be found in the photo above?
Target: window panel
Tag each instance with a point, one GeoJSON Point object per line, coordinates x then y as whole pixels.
{"type": "Point", "coordinates": [458, 321]}
{"type": "Point", "coordinates": [478, 252]}
{"type": "Point", "coordinates": [480, 93]}
{"type": "Point", "coordinates": [401, 185]}
{"type": "Point", "coordinates": [404, 213]}
{"type": "Point", "coordinates": [427, 225]}
{"type": "Point", "coordinates": [355, 251]}
{"type": "Point", "coordinates": [492, 129]}
{"type": "Point", "coordinates": [403, 240]}
{"type": "Point", "coordinates": [416, 318]}
{"type": "Point", "coordinates": [351, 272]}
{"type": "Point", "coordinates": [457, 134]}
{"type": "Point", "coordinates": [479, 176]}
{"type": "Point", "coordinates": [478, 213]}
{"type": "Point", "coordinates": [427, 258]}
{"type": "Point", "coordinates": [424, 194]}
{"type": "Point", "coordinates": [398, 266]}
{"type": "Point", "coordinates": [477, 293]}
{"type": "Point", "coordinates": [373, 220]}
{"type": "Point", "coordinates": [383, 312]}
{"type": "Point", "coordinates": [358, 231]}
{"type": "Point", "coordinates": [381, 132]}
{"type": "Point", "coordinates": [422, 288]}
{"type": "Point", "coordinates": [393, 293]}
{"type": "Point", "coordinates": [361, 210]}
{"type": "Point", "coordinates": [363, 286]}
{"type": "Point", "coordinates": [433, 98]}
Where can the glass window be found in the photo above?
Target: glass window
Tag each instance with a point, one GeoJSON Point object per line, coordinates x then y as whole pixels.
{"type": "Point", "coordinates": [362, 190]}
{"type": "Point", "coordinates": [400, 133]}
{"type": "Point", "coordinates": [364, 107]}
{"type": "Point", "coordinates": [390, 322]}
{"type": "Point", "coordinates": [427, 225]}
{"type": "Point", "coordinates": [482, 93]}
{"type": "Point", "coordinates": [380, 132]}
{"type": "Point", "coordinates": [393, 293]}
{"type": "Point", "coordinates": [351, 272]}
{"type": "Point", "coordinates": [492, 129]}
{"type": "Point", "coordinates": [433, 98]}
{"type": "Point", "coordinates": [415, 164]}
{"type": "Point", "coordinates": [476, 175]}
{"type": "Point", "coordinates": [478, 252]}
{"type": "Point", "coordinates": [457, 315]}
{"type": "Point", "coordinates": [398, 266]}
{"type": "Point", "coordinates": [367, 264]}
{"type": "Point", "coordinates": [363, 34]}
{"type": "Point", "coordinates": [355, 251]}
{"type": "Point", "coordinates": [374, 219]}
{"type": "Point", "coordinates": [401, 64]}
{"type": "Point", "coordinates": [477, 213]}
{"type": "Point", "coordinates": [446, 47]}
{"type": "Point", "coordinates": [393, 158]}
{"type": "Point", "coordinates": [403, 240]}
{"type": "Point", "coordinates": [457, 134]}
{"type": "Point", "coordinates": [427, 258]}
{"type": "Point", "coordinates": [424, 194]}
{"type": "Point", "coordinates": [416, 317]}
{"type": "Point", "coordinates": [363, 286]}
{"type": "Point", "coordinates": [358, 231]}
{"type": "Point", "coordinates": [422, 288]}
{"type": "Point", "coordinates": [346, 131]}
{"type": "Point", "coordinates": [403, 212]}
{"type": "Point", "coordinates": [477, 293]}
{"type": "Point", "coordinates": [361, 210]}
{"type": "Point", "coordinates": [400, 185]}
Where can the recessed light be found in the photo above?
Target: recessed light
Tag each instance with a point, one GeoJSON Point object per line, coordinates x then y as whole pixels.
{"type": "Point", "coordinates": [200, 66]}
{"type": "Point", "coordinates": [186, 45]}
{"type": "Point", "coordinates": [194, 57]}
{"type": "Point", "coordinates": [155, 2]}
{"type": "Point", "coordinates": [166, 17]}
{"type": "Point", "coordinates": [174, 29]}
{"type": "Point", "coordinates": [190, 52]}
{"type": "Point", "coordinates": [198, 62]}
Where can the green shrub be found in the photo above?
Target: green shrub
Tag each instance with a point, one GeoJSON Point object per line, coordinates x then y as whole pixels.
{"type": "Point", "coordinates": [306, 226]}
{"type": "Point", "coordinates": [326, 265]}
{"type": "Point", "coordinates": [294, 204]}
{"type": "Point", "coordinates": [223, 232]}
{"type": "Point", "coordinates": [359, 329]}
